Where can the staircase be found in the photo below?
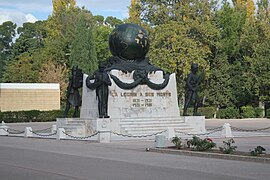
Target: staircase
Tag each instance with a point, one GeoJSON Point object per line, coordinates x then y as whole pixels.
{"type": "Point", "coordinates": [147, 126]}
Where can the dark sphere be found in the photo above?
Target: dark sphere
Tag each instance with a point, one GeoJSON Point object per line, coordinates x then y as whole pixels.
{"type": "Point", "coordinates": [129, 41]}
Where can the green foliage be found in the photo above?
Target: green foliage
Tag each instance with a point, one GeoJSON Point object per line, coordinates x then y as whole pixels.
{"type": "Point", "coordinates": [228, 147]}
{"type": "Point", "coordinates": [24, 70]}
{"type": "Point", "coordinates": [7, 33]}
{"type": "Point", "coordinates": [208, 112]}
{"type": "Point", "coordinates": [268, 113]}
{"type": "Point", "coordinates": [228, 113]}
{"type": "Point", "coordinates": [259, 112]}
{"type": "Point", "coordinates": [101, 41]}
{"type": "Point", "coordinates": [31, 37]}
{"type": "Point", "coordinates": [83, 52]}
{"type": "Point", "coordinates": [112, 21]}
{"type": "Point", "coordinates": [31, 116]}
{"type": "Point", "coordinates": [199, 144]}
{"type": "Point", "coordinates": [177, 142]}
{"type": "Point", "coordinates": [247, 112]}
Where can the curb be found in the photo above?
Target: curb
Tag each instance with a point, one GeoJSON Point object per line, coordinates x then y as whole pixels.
{"type": "Point", "coordinates": [212, 155]}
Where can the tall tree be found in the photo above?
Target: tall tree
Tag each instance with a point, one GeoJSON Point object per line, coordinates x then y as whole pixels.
{"type": "Point", "coordinates": [7, 33]}
{"type": "Point", "coordinates": [83, 51]}
{"type": "Point", "coordinates": [182, 34]}
{"type": "Point", "coordinates": [31, 37]}
{"type": "Point", "coordinates": [101, 33]}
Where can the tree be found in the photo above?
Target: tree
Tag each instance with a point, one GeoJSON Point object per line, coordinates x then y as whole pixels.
{"type": "Point", "coordinates": [218, 93]}
{"type": "Point", "coordinates": [112, 21]}
{"type": "Point", "coordinates": [182, 33]}
{"type": "Point", "coordinates": [102, 33]}
{"type": "Point", "coordinates": [83, 52]}
{"type": "Point", "coordinates": [31, 37]}
{"type": "Point", "coordinates": [55, 73]}
{"type": "Point", "coordinates": [261, 56]}
{"type": "Point", "coordinates": [7, 33]}
{"type": "Point", "coordinates": [22, 70]}
{"type": "Point", "coordinates": [134, 11]}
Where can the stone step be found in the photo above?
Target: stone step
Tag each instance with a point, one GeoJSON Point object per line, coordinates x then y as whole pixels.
{"type": "Point", "coordinates": [76, 121]}
{"type": "Point", "coordinates": [74, 124]}
{"type": "Point", "coordinates": [148, 132]}
{"type": "Point", "coordinates": [155, 127]}
{"type": "Point", "coordinates": [142, 123]}
{"type": "Point", "coordinates": [151, 119]}
{"type": "Point", "coordinates": [171, 124]}
{"type": "Point", "coordinates": [72, 127]}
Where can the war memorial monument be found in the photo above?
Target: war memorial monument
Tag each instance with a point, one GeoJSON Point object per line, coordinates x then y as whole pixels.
{"type": "Point", "coordinates": [129, 95]}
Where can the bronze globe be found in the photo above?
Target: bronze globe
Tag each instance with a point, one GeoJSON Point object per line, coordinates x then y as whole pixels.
{"type": "Point", "coordinates": [129, 42]}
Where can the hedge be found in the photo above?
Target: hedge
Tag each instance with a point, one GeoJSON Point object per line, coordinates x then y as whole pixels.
{"type": "Point", "coordinates": [268, 113]}
{"type": "Point", "coordinates": [228, 113]}
{"type": "Point", "coordinates": [32, 116]}
{"type": "Point", "coordinates": [208, 112]}
{"type": "Point", "coordinates": [247, 112]}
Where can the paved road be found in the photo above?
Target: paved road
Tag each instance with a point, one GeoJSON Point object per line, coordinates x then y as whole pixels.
{"type": "Point", "coordinates": [243, 123]}
{"type": "Point", "coordinates": [44, 159]}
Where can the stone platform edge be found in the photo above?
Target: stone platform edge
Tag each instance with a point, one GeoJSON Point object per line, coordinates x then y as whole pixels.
{"type": "Point", "coordinates": [212, 155]}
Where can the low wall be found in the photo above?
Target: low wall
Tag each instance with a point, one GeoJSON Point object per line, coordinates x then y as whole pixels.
{"type": "Point", "coordinates": [29, 96]}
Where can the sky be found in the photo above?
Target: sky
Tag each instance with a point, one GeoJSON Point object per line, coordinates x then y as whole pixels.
{"type": "Point", "coordinates": [20, 11]}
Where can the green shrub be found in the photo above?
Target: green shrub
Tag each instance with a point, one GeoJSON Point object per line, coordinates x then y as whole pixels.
{"type": "Point", "coordinates": [268, 113]}
{"type": "Point", "coordinates": [208, 112]}
{"type": "Point", "coordinates": [228, 113]}
{"type": "Point", "coordinates": [247, 112]}
{"type": "Point", "coordinates": [30, 116]}
{"type": "Point", "coordinates": [259, 112]}
{"type": "Point", "coordinates": [199, 144]}
{"type": "Point", "coordinates": [46, 116]}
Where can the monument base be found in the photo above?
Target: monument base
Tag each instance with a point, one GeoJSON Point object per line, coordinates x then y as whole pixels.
{"type": "Point", "coordinates": [76, 127]}
{"type": "Point", "coordinates": [81, 127]}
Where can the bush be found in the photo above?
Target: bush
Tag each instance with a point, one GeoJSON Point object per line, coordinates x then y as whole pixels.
{"type": "Point", "coordinates": [268, 113]}
{"type": "Point", "coordinates": [208, 112]}
{"type": "Point", "coordinates": [199, 144]}
{"type": "Point", "coordinates": [30, 116]}
{"type": "Point", "coordinates": [258, 112]}
{"type": "Point", "coordinates": [248, 112]}
{"type": "Point", "coordinates": [228, 113]}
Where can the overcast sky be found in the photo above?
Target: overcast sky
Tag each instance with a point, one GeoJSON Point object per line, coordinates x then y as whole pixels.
{"type": "Point", "coordinates": [20, 11]}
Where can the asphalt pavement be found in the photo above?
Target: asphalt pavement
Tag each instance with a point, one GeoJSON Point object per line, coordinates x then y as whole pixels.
{"type": "Point", "coordinates": [50, 159]}
{"type": "Point", "coordinates": [31, 158]}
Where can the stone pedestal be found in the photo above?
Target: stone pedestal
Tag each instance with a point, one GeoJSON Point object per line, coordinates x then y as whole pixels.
{"type": "Point", "coordinates": [226, 131]}
{"type": "Point", "coordinates": [3, 129]}
{"type": "Point", "coordinates": [28, 132]}
{"type": "Point", "coordinates": [197, 123]}
{"type": "Point", "coordinates": [104, 136]}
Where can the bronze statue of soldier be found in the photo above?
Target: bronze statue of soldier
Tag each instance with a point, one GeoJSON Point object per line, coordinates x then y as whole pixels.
{"type": "Point", "coordinates": [73, 95]}
{"type": "Point", "coordinates": [191, 94]}
{"type": "Point", "coordinates": [101, 83]}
